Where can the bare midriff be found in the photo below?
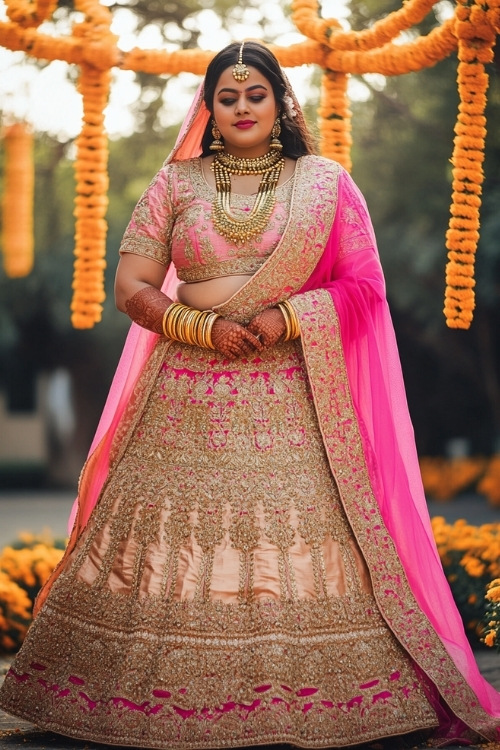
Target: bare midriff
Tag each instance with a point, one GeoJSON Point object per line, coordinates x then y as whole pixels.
{"type": "Point", "coordinates": [203, 295]}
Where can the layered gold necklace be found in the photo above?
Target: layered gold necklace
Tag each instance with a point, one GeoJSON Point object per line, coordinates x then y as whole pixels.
{"type": "Point", "coordinates": [224, 165]}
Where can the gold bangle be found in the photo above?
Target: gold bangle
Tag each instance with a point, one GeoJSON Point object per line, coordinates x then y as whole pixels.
{"type": "Point", "coordinates": [164, 320]}
{"type": "Point", "coordinates": [294, 320]}
{"type": "Point", "coordinates": [204, 339]}
{"type": "Point", "coordinates": [291, 320]}
{"type": "Point", "coordinates": [165, 324]}
{"type": "Point", "coordinates": [196, 328]}
{"type": "Point", "coordinates": [286, 316]}
{"type": "Point", "coordinates": [180, 324]}
{"type": "Point", "coordinates": [170, 325]}
{"type": "Point", "coordinates": [188, 325]}
{"type": "Point", "coordinates": [210, 324]}
{"type": "Point", "coordinates": [204, 328]}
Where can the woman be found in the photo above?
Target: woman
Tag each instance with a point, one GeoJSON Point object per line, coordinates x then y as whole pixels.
{"type": "Point", "coordinates": [251, 560]}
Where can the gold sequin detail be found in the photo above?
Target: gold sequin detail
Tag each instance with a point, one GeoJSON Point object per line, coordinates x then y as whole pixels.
{"type": "Point", "coordinates": [342, 440]}
{"type": "Point", "coordinates": [217, 597]}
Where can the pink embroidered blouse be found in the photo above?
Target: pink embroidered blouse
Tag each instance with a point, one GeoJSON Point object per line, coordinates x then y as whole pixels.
{"type": "Point", "coordinates": [173, 222]}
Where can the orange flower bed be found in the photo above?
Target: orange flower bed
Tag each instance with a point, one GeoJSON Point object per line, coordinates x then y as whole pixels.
{"type": "Point", "coordinates": [444, 478]}
{"type": "Point", "coordinates": [24, 568]}
{"type": "Point", "coordinates": [470, 556]}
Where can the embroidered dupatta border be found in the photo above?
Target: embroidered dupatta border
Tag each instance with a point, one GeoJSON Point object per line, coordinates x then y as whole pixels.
{"type": "Point", "coordinates": [327, 372]}
{"type": "Point", "coordinates": [313, 208]}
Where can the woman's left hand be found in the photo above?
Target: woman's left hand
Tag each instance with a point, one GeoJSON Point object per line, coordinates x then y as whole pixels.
{"type": "Point", "coordinates": [269, 326]}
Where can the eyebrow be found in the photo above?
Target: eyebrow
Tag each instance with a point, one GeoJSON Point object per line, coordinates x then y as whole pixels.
{"type": "Point", "coordinates": [250, 88]}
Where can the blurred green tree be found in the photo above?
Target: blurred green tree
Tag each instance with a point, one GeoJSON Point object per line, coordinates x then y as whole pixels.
{"type": "Point", "coordinates": [403, 141]}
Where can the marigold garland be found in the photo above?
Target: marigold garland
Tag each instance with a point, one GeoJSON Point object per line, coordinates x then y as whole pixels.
{"type": "Point", "coordinates": [17, 202]}
{"type": "Point", "coordinates": [475, 47]}
{"type": "Point", "coordinates": [335, 118]}
{"type": "Point", "coordinates": [91, 201]}
{"type": "Point", "coordinates": [305, 14]}
{"type": "Point", "coordinates": [28, 14]}
{"type": "Point", "coordinates": [92, 46]}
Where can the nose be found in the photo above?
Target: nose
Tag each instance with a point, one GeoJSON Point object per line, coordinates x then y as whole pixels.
{"type": "Point", "coordinates": [241, 104]}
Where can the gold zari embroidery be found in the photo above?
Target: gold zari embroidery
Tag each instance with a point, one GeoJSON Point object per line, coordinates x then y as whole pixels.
{"type": "Point", "coordinates": [342, 439]}
{"type": "Point", "coordinates": [217, 597]}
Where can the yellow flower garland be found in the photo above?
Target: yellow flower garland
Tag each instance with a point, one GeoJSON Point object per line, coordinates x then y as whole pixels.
{"type": "Point", "coordinates": [472, 31]}
{"type": "Point", "coordinates": [91, 169]}
{"type": "Point", "coordinates": [17, 203]}
{"type": "Point", "coordinates": [28, 14]}
{"type": "Point", "coordinates": [475, 48]}
{"type": "Point", "coordinates": [335, 118]}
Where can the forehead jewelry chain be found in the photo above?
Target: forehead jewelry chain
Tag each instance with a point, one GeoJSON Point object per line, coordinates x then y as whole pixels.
{"type": "Point", "coordinates": [225, 223]}
{"type": "Point", "coordinates": [240, 70]}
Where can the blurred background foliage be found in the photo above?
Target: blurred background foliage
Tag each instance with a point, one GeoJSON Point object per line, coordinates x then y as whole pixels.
{"type": "Point", "coordinates": [403, 140]}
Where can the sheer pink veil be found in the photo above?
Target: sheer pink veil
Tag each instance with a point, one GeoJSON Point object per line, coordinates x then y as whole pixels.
{"type": "Point", "coordinates": [139, 342]}
{"type": "Point", "coordinates": [356, 285]}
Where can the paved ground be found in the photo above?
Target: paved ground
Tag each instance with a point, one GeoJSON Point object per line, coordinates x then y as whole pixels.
{"type": "Point", "coordinates": [39, 511]}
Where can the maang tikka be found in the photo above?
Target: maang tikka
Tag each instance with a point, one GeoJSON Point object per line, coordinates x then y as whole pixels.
{"type": "Point", "coordinates": [240, 70]}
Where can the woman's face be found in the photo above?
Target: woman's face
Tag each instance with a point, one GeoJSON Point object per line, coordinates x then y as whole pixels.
{"type": "Point", "coordinates": [245, 112]}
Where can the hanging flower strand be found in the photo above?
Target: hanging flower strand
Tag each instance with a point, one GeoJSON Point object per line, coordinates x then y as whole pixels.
{"type": "Point", "coordinates": [335, 122]}
{"type": "Point", "coordinates": [30, 14]}
{"type": "Point", "coordinates": [91, 169]}
{"type": "Point", "coordinates": [17, 203]}
{"type": "Point", "coordinates": [475, 48]}
{"type": "Point", "coordinates": [91, 201]}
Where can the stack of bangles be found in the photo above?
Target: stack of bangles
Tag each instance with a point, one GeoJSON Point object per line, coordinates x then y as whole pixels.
{"type": "Point", "coordinates": [291, 320]}
{"type": "Point", "coordinates": [189, 326]}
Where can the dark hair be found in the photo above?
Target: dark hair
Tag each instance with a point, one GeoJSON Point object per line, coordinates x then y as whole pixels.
{"type": "Point", "coordinates": [295, 136]}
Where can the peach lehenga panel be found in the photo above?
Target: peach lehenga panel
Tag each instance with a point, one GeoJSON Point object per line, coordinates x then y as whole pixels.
{"type": "Point", "coordinates": [217, 597]}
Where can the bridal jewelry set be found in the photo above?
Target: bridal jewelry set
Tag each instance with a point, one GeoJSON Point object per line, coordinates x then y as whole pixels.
{"type": "Point", "coordinates": [269, 165]}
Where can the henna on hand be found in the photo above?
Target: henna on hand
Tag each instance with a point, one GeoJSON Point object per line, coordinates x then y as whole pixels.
{"type": "Point", "coordinates": [147, 307]}
{"type": "Point", "coordinates": [232, 340]}
{"type": "Point", "coordinates": [269, 325]}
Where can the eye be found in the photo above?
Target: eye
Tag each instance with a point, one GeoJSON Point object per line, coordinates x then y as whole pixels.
{"type": "Point", "coordinates": [257, 98]}
{"type": "Point", "coordinates": [227, 101]}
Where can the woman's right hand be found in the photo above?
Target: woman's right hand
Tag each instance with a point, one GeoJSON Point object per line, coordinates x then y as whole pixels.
{"type": "Point", "coordinates": [232, 340]}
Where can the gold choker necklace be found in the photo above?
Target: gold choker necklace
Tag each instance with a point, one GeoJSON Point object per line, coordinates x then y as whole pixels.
{"type": "Point", "coordinates": [241, 165]}
{"type": "Point", "coordinates": [224, 165]}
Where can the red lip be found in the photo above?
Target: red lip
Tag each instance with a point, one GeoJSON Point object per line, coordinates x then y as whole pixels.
{"type": "Point", "coordinates": [244, 124]}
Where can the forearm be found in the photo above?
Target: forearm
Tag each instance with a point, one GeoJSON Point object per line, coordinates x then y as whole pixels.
{"type": "Point", "coordinates": [147, 308]}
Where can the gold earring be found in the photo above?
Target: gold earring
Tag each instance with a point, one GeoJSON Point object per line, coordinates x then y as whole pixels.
{"type": "Point", "coordinates": [217, 144]}
{"type": "Point", "coordinates": [275, 132]}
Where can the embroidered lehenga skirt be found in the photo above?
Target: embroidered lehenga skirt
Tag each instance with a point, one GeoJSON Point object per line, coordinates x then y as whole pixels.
{"type": "Point", "coordinates": [218, 597]}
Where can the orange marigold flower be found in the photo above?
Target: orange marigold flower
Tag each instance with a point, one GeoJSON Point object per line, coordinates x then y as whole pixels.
{"type": "Point", "coordinates": [490, 638]}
